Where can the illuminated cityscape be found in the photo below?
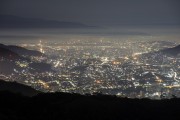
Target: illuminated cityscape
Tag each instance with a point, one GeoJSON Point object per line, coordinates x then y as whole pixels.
{"type": "Point", "coordinates": [129, 69]}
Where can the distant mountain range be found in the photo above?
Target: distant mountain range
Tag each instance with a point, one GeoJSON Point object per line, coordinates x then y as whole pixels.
{"type": "Point", "coordinates": [15, 87]}
{"type": "Point", "coordinates": [11, 21]}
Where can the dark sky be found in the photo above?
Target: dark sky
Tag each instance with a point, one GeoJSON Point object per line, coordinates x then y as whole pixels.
{"type": "Point", "coordinates": [97, 12]}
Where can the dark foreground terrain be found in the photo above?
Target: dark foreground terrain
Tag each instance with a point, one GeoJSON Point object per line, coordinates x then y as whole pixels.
{"type": "Point", "coordinates": [64, 106]}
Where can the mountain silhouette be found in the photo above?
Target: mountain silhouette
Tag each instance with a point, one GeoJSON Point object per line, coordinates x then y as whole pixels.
{"type": "Point", "coordinates": [71, 106]}
{"type": "Point", "coordinates": [15, 87]}
{"type": "Point", "coordinates": [11, 21]}
{"type": "Point", "coordinates": [21, 51]}
{"type": "Point", "coordinates": [9, 55]}
{"type": "Point", "coordinates": [172, 51]}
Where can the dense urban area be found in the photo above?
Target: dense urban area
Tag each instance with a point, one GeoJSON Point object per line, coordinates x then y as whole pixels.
{"type": "Point", "coordinates": [133, 69]}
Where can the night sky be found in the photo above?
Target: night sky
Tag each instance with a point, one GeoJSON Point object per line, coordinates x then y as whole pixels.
{"type": "Point", "coordinates": [97, 12]}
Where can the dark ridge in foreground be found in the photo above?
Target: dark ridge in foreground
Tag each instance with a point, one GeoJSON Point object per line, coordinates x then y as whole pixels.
{"type": "Point", "coordinates": [17, 88]}
{"type": "Point", "coordinates": [66, 106]}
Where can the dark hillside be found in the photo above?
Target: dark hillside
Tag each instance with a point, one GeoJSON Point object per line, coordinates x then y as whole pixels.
{"type": "Point", "coordinates": [65, 106]}
{"type": "Point", "coordinates": [15, 87]}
